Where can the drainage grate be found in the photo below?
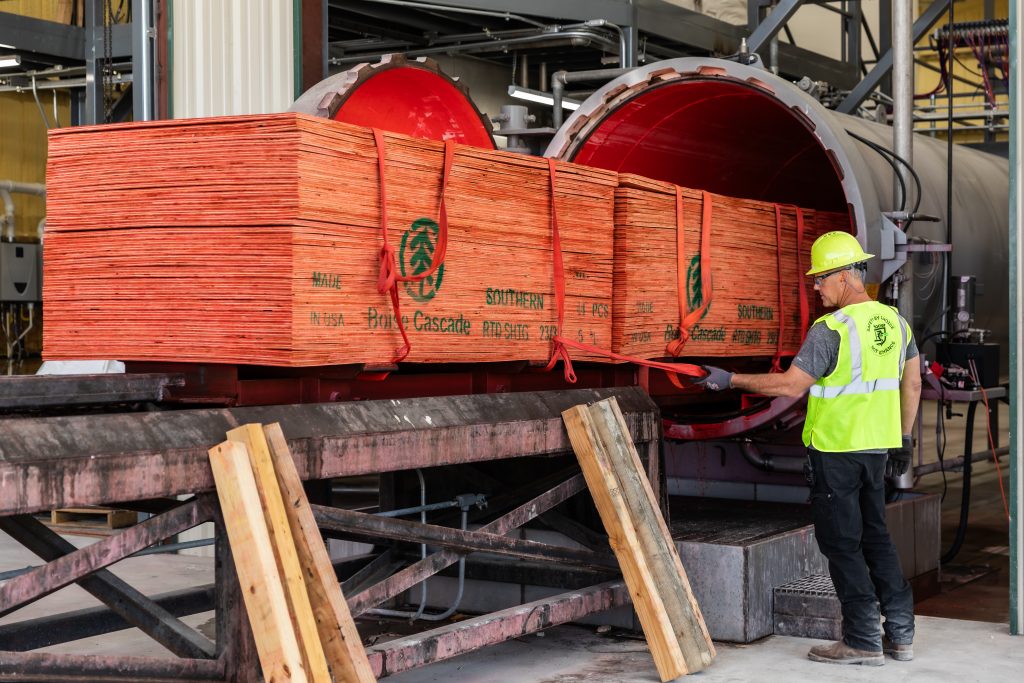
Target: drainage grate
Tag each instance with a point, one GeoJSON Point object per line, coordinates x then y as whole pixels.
{"type": "Point", "coordinates": [815, 585]}
{"type": "Point", "coordinates": [808, 608]}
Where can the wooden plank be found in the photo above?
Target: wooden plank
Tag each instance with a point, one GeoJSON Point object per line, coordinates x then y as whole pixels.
{"type": "Point", "coordinates": [283, 545]}
{"type": "Point", "coordinates": [654, 536]}
{"type": "Point", "coordinates": [94, 516]}
{"type": "Point", "coordinates": [337, 631]}
{"type": "Point", "coordinates": [262, 587]}
{"type": "Point", "coordinates": [622, 536]}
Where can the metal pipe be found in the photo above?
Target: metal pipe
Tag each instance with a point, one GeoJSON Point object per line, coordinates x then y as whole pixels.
{"type": "Point", "coordinates": [957, 463]}
{"type": "Point", "coordinates": [523, 71]}
{"type": "Point", "coordinates": [902, 133]}
{"type": "Point", "coordinates": [1016, 249]}
{"type": "Point", "coordinates": [459, 10]}
{"type": "Point", "coordinates": [419, 509]}
{"type": "Point", "coordinates": [573, 37]}
{"type": "Point", "coordinates": [142, 60]}
{"type": "Point", "coordinates": [8, 222]}
{"type": "Point", "coordinates": [560, 79]}
{"type": "Point", "coordinates": [947, 259]}
{"type": "Point", "coordinates": [753, 454]}
{"type": "Point", "coordinates": [38, 189]}
{"type": "Point", "coordinates": [65, 84]}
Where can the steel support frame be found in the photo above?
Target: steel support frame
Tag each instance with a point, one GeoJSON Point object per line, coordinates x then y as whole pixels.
{"type": "Point", "coordinates": [233, 656]}
{"type": "Point", "coordinates": [882, 68]}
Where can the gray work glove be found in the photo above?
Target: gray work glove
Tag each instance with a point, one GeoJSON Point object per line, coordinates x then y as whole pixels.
{"type": "Point", "coordinates": [717, 379]}
{"type": "Point", "coordinates": [899, 459]}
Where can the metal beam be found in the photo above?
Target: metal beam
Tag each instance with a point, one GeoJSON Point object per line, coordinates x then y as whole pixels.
{"type": "Point", "coordinates": [65, 569]}
{"type": "Point", "coordinates": [372, 526]}
{"type": "Point", "coordinates": [39, 391]}
{"type": "Point", "coordinates": [47, 38]}
{"type": "Point", "coordinates": [93, 52]}
{"type": "Point", "coordinates": [434, 563]}
{"type": "Point", "coordinates": [61, 668]}
{"type": "Point", "coordinates": [465, 636]}
{"type": "Point", "coordinates": [54, 629]}
{"type": "Point", "coordinates": [923, 24]}
{"type": "Point", "coordinates": [90, 460]}
{"type": "Point", "coordinates": [615, 11]}
{"type": "Point", "coordinates": [1016, 247]}
{"type": "Point", "coordinates": [135, 607]}
{"type": "Point", "coordinates": [772, 24]}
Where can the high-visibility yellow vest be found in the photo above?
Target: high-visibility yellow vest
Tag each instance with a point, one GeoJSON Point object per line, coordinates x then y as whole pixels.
{"type": "Point", "coordinates": [857, 406]}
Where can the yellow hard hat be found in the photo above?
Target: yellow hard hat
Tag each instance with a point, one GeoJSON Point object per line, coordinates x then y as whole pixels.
{"type": "Point", "coordinates": [835, 249]}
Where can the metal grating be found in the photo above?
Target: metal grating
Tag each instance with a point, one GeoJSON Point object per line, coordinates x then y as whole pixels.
{"type": "Point", "coordinates": [815, 585]}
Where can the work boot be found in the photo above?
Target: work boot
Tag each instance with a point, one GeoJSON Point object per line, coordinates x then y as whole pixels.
{"type": "Point", "coordinates": [841, 653]}
{"type": "Point", "coordinates": [901, 652]}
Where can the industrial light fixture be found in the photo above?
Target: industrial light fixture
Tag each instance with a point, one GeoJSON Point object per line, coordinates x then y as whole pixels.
{"type": "Point", "coordinates": [10, 61]}
{"type": "Point", "coordinates": [540, 97]}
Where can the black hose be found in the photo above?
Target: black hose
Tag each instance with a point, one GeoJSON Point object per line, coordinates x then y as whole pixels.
{"type": "Point", "coordinates": [965, 495]}
{"type": "Point", "coordinates": [882, 152]}
{"type": "Point", "coordinates": [889, 154]}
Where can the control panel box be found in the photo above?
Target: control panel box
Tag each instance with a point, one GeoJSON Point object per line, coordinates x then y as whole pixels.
{"type": "Point", "coordinates": [20, 272]}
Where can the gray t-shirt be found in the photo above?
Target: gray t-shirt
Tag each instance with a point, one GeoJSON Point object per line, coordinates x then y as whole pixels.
{"type": "Point", "coordinates": [820, 352]}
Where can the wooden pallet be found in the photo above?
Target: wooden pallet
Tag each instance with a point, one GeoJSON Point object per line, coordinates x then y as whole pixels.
{"type": "Point", "coordinates": [108, 518]}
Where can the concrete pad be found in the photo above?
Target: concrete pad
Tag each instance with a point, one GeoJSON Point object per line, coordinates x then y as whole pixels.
{"type": "Point", "coordinates": [945, 650]}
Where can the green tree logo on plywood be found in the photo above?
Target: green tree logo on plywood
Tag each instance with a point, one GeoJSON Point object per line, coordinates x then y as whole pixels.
{"type": "Point", "coordinates": [415, 254]}
{"type": "Point", "coordinates": [695, 288]}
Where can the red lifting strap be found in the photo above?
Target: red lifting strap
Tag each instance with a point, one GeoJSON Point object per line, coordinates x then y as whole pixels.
{"type": "Point", "coordinates": [560, 344]}
{"type": "Point", "coordinates": [388, 277]}
{"type": "Point", "coordinates": [804, 306]}
{"type": "Point", "coordinates": [688, 319]}
{"type": "Point", "coordinates": [805, 312]}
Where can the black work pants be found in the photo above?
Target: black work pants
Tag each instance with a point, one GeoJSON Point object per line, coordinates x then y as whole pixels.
{"type": "Point", "coordinates": [848, 508]}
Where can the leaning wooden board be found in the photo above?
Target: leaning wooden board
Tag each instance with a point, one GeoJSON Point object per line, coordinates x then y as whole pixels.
{"type": "Point", "coordinates": [669, 614]}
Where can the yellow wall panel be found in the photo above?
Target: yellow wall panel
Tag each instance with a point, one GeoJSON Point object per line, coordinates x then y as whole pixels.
{"type": "Point", "coordinates": [23, 152]}
{"type": "Point", "coordinates": [51, 10]}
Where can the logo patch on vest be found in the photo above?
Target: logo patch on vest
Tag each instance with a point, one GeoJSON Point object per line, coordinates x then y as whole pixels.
{"type": "Point", "coordinates": [882, 335]}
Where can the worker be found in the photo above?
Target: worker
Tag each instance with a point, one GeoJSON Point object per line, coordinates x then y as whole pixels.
{"type": "Point", "coordinates": [862, 368]}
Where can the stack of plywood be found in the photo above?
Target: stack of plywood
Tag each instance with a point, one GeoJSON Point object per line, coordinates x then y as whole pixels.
{"type": "Point", "coordinates": [257, 240]}
{"type": "Point", "coordinates": [743, 315]}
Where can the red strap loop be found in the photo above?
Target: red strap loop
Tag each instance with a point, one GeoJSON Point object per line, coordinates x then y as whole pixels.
{"type": "Point", "coordinates": [688, 319]}
{"type": "Point", "coordinates": [561, 344]}
{"type": "Point", "coordinates": [805, 317]}
{"type": "Point", "coordinates": [804, 304]}
{"type": "Point", "coordinates": [388, 276]}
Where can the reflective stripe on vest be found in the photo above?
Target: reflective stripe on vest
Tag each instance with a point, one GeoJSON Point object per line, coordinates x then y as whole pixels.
{"type": "Point", "coordinates": [857, 384]}
{"type": "Point", "coordinates": [819, 391]}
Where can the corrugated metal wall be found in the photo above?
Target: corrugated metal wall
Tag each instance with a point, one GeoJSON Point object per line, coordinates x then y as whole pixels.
{"type": "Point", "coordinates": [231, 57]}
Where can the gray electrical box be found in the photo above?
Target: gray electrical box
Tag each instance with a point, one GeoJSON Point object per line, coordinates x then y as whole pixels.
{"type": "Point", "coordinates": [20, 272]}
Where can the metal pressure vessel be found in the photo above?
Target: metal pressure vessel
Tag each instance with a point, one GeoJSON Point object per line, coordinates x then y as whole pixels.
{"type": "Point", "coordinates": [739, 130]}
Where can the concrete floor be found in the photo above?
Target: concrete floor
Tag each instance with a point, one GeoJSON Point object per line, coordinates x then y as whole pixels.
{"type": "Point", "coordinates": [946, 650]}
{"type": "Point", "coordinates": [975, 588]}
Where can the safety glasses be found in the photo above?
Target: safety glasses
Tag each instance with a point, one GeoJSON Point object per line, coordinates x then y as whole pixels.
{"type": "Point", "coordinates": [818, 279]}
